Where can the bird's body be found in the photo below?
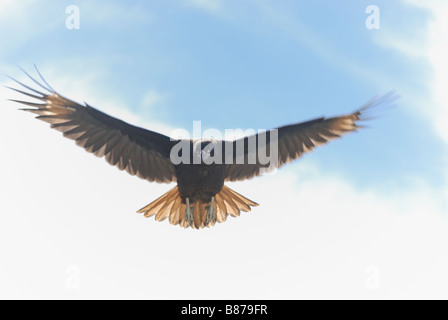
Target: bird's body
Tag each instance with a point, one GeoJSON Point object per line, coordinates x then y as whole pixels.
{"type": "Point", "coordinates": [200, 186]}
{"type": "Point", "coordinates": [200, 197]}
{"type": "Point", "coordinates": [199, 181]}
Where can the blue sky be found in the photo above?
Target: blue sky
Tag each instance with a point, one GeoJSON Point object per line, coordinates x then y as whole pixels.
{"type": "Point", "coordinates": [247, 64]}
{"type": "Point", "coordinates": [250, 64]}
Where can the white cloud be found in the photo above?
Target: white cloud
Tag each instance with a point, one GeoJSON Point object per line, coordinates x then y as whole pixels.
{"type": "Point", "coordinates": [10, 8]}
{"type": "Point", "coordinates": [436, 52]}
{"type": "Point", "coordinates": [313, 235]}
{"type": "Point", "coordinates": [431, 45]}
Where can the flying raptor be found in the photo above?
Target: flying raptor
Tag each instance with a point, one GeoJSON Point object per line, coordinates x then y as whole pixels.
{"type": "Point", "coordinates": [200, 198]}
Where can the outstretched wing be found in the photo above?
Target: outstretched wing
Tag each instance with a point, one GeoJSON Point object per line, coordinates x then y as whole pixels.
{"type": "Point", "coordinates": [140, 152]}
{"type": "Point", "coordinates": [295, 140]}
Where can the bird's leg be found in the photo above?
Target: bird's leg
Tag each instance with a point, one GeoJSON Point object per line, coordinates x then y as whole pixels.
{"type": "Point", "coordinates": [188, 212]}
{"type": "Point", "coordinates": [210, 212]}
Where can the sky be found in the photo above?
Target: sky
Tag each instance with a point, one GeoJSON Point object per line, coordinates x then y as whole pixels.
{"type": "Point", "coordinates": [364, 217]}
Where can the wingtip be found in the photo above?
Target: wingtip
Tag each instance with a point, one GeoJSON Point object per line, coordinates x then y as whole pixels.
{"type": "Point", "coordinates": [46, 88]}
{"type": "Point", "coordinates": [379, 103]}
{"type": "Point", "coordinates": [31, 104]}
{"type": "Point", "coordinates": [43, 80]}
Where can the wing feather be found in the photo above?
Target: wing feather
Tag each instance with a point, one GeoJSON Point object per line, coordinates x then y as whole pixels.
{"type": "Point", "coordinates": [296, 139]}
{"type": "Point", "coordinates": [139, 151]}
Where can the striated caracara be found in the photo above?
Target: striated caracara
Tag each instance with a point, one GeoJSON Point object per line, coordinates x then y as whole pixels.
{"type": "Point", "coordinates": [200, 167]}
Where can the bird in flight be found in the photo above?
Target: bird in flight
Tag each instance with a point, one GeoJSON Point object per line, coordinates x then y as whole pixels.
{"type": "Point", "coordinates": [200, 167]}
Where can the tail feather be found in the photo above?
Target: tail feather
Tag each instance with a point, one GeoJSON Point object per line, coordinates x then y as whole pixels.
{"type": "Point", "coordinates": [231, 207]}
{"type": "Point", "coordinates": [243, 200]}
{"type": "Point", "coordinates": [227, 202]}
{"type": "Point", "coordinates": [221, 212]}
{"type": "Point", "coordinates": [165, 209]}
{"type": "Point", "coordinates": [153, 208]}
{"type": "Point", "coordinates": [197, 216]}
{"type": "Point", "coordinates": [182, 221]}
{"type": "Point", "coordinates": [175, 210]}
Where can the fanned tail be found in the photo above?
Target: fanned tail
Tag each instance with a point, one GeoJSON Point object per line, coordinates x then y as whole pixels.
{"type": "Point", "coordinates": [227, 202]}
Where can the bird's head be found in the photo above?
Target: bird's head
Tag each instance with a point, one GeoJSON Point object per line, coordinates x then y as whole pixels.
{"type": "Point", "coordinates": [204, 150]}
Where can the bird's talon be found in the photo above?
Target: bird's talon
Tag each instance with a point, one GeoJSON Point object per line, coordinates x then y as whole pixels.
{"type": "Point", "coordinates": [189, 212]}
{"type": "Point", "coordinates": [210, 217]}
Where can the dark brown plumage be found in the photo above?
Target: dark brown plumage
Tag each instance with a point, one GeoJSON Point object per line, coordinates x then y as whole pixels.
{"type": "Point", "coordinates": [200, 197]}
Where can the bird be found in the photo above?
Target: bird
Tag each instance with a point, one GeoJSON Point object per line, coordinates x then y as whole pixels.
{"type": "Point", "coordinates": [199, 167]}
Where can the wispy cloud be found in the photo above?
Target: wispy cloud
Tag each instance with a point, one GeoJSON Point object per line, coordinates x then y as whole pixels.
{"type": "Point", "coordinates": [151, 99]}
{"type": "Point", "coordinates": [428, 44]}
{"type": "Point", "coordinates": [436, 51]}
{"type": "Point", "coordinates": [211, 6]}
